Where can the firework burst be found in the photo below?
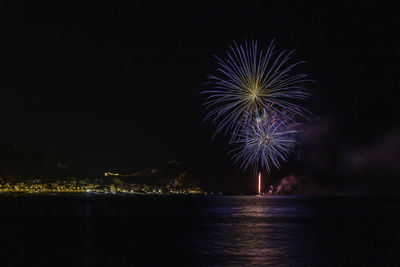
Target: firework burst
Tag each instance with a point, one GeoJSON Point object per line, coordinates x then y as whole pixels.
{"type": "Point", "coordinates": [250, 81]}
{"type": "Point", "coordinates": [267, 142]}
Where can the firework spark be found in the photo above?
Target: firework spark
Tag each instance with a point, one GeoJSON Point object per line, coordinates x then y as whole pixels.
{"type": "Point", "coordinates": [250, 81]}
{"type": "Point", "coordinates": [267, 142]}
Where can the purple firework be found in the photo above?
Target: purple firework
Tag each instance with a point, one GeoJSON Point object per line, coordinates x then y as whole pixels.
{"type": "Point", "coordinates": [267, 142]}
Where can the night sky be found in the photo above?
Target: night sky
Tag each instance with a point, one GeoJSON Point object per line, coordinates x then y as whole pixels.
{"type": "Point", "coordinates": [100, 88]}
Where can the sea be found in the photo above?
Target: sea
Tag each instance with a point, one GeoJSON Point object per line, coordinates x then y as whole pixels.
{"type": "Point", "coordinates": [159, 230]}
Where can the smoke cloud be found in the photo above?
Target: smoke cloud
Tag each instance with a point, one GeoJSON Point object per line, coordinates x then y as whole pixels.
{"type": "Point", "coordinates": [331, 162]}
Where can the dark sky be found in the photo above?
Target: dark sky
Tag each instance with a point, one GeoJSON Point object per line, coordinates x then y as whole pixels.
{"type": "Point", "coordinates": [101, 88]}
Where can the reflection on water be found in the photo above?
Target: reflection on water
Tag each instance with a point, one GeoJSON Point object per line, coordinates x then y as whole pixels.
{"type": "Point", "coordinates": [199, 231]}
{"type": "Point", "coordinates": [255, 230]}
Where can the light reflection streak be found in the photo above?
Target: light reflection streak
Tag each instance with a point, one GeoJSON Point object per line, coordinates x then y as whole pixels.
{"type": "Point", "coordinates": [257, 230]}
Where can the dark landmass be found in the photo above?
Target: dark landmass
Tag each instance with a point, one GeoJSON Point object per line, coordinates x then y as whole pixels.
{"type": "Point", "coordinates": [26, 171]}
{"type": "Point", "coordinates": [18, 164]}
{"type": "Point", "coordinates": [169, 174]}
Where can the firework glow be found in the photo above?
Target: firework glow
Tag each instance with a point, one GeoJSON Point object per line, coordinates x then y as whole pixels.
{"type": "Point", "coordinates": [254, 101]}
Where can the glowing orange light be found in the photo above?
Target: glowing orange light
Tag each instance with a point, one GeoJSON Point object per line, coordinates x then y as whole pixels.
{"type": "Point", "coordinates": [259, 183]}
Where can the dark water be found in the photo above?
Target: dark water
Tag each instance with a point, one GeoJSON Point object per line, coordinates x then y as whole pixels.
{"type": "Point", "coordinates": [199, 231]}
